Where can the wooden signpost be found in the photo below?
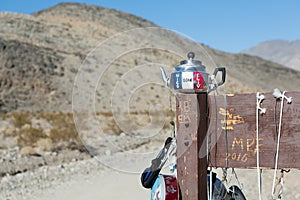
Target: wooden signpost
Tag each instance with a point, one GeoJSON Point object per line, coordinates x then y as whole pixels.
{"type": "Point", "coordinates": [228, 129]}
{"type": "Point", "coordinates": [192, 116]}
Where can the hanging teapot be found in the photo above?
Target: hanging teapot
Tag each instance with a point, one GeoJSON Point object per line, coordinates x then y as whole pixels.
{"type": "Point", "coordinates": [190, 76]}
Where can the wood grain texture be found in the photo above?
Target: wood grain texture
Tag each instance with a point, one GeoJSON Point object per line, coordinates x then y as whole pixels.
{"type": "Point", "coordinates": [233, 129]}
{"type": "Point", "coordinates": [192, 116]}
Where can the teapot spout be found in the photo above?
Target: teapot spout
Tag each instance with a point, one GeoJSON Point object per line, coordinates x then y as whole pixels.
{"type": "Point", "coordinates": [164, 76]}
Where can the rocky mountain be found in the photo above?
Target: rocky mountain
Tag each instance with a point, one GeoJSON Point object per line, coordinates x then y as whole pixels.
{"type": "Point", "coordinates": [41, 54]}
{"type": "Point", "coordinates": [284, 52]}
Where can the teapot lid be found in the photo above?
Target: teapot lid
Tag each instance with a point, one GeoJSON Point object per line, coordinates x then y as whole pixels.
{"type": "Point", "coordinates": [191, 63]}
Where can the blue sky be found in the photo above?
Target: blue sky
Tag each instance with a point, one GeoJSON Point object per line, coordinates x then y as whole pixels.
{"type": "Point", "coordinates": [228, 25]}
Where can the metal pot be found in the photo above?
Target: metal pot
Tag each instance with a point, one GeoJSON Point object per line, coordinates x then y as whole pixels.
{"type": "Point", "coordinates": [190, 76]}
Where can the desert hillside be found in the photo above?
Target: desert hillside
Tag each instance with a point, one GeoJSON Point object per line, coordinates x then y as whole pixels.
{"type": "Point", "coordinates": [105, 64]}
{"type": "Point", "coordinates": [284, 52]}
{"type": "Point", "coordinates": [42, 52]}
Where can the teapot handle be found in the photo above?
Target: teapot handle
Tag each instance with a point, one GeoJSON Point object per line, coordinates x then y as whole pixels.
{"type": "Point", "coordinates": [223, 70]}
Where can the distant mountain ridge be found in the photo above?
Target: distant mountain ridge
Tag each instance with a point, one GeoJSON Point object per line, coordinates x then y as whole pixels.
{"type": "Point", "coordinates": [283, 52]}
{"type": "Point", "coordinates": [40, 55]}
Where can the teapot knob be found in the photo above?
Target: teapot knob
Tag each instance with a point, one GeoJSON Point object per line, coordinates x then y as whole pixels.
{"type": "Point", "coordinates": [191, 55]}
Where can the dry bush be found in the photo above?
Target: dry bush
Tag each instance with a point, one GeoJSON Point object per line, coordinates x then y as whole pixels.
{"type": "Point", "coordinates": [106, 114]}
{"type": "Point", "coordinates": [21, 119]}
{"type": "Point", "coordinates": [28, 136]}
{"type": "Point", "coordinates": [140, 118]}
{"type": "Point", "coordinates": [107, 123]}
{"type": "Point", "coordinates": [109, 126]}
{"type": "Point", "coordinates": [63, 131]}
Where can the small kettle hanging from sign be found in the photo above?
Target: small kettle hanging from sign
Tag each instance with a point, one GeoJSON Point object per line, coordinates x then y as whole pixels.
{"type": "Point", "coordinates": [190, 76]}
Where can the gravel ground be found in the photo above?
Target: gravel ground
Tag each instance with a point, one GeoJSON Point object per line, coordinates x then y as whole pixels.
{"type": "Point", "coordinates": [92, 179]}
{"type": "Point", "coordinates": [29, 184]}
{"type": "Point", "coordinates": [32, 177]}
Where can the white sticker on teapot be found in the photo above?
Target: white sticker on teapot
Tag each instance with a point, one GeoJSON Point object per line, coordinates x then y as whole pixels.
{"type": "Point", "coordinates": [187, 80]}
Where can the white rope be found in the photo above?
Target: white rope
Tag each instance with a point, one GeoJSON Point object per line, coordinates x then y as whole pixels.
{"type": "Point", "coordinates": [277, 94]}
{"type": "Point", "coordinates": [210, 184]}
{"type": "Point", "coordinates": [281, 183]}
{"type": "Point", "coordinates": [257, 151]}
{"type": "Point", "coordinates": [208, 140]}
{"type": "Point", "coordinates": [278, 143]}
{"type": "Point", "coordinates": [259, 99]}
{"type": "Point", "coordinates": [237, 178]}
{"type": "Point", "coordinates": [210, 171]}
{"type": "Point", "coordinates": [224, 176]}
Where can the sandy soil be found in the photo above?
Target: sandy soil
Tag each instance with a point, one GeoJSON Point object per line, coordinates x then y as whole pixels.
{"type": "Point", "coordinates": [91, 179]}
{"type": "Point", "coordinates": [109, 185]}
{"type": "Point", "coordinates": [116, 185]}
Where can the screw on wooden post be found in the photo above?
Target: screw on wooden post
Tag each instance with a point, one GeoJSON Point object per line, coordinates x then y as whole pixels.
{"type": "Point", "coordinates": [192, 119]}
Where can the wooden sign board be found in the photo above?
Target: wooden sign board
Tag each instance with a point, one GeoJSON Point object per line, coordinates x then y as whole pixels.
{"type": "Point", "coordinates": [232, 131]}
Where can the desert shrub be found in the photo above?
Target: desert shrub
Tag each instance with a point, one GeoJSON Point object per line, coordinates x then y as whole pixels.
{"type": "Point", "coordinates": [63, 130]}
{"type": "Point", "coordinates": [63, 127]}
{"type": "Point", "coordinates": [21, 119]}
{"type": "Point", "coordinates": [106, 114]}
{"type": "Point", "coordinates": [3, 116]}
{"type": "Point", "coordinates": [28, 136]}
{"type": "Point", "coordinates": [139, 118]}
{"type": "Point", "coordinates": [109, 126]}
{"type": "Point", "coordinates": [60, 134]}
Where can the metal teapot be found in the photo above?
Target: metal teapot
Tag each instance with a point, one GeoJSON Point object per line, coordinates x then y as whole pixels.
{"type": "Point", "coordinates": [190, 76]}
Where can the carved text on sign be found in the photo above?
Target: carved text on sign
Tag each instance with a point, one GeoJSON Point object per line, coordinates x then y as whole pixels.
{"type": "Point", "coordinates": [184, 108]}
{"type": "Point", "coordinates": [230, 119]}
{"type": "Point", "coordinates": [242, 149]}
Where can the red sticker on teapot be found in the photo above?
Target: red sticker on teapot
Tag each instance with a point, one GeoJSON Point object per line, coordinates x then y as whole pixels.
{"type": "Point", "coordinates": [198, 80]}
